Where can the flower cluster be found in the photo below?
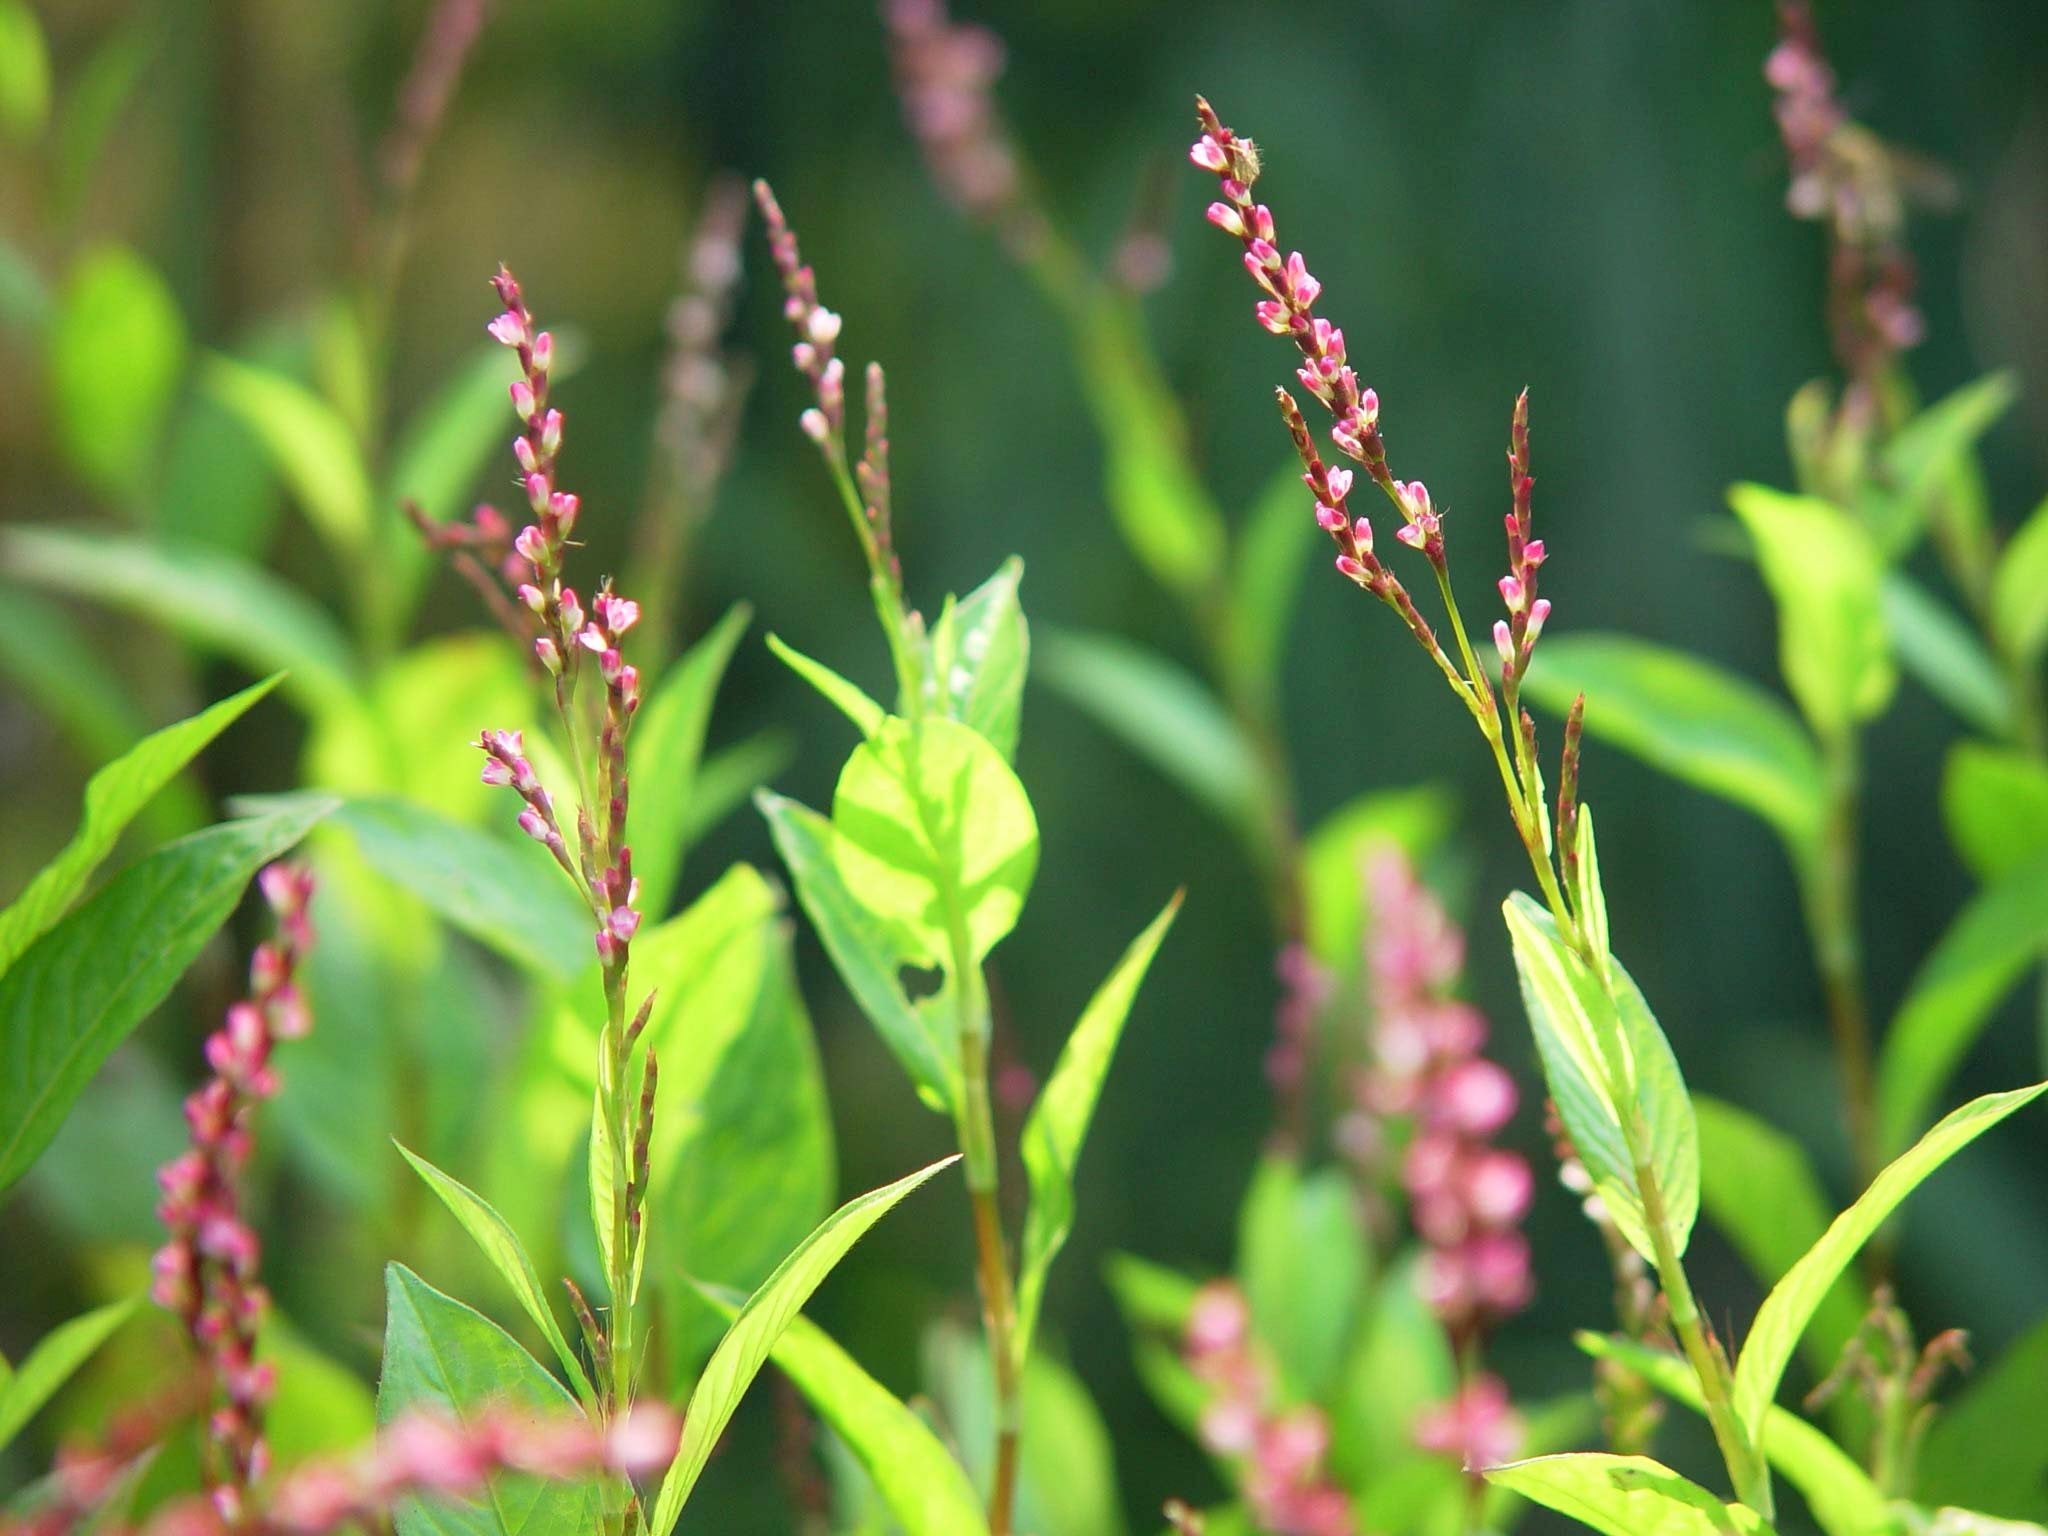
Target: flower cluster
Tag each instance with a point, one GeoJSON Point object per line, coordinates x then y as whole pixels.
{"type": "Point", "coordinates": [945, 72]}
{"type": "Point", "coordinates": [1477, 1427]}
{"type": "Point", "coordinates": [1279, 1450]}
{"type": "Point", "coordinates": [701, 387]}
{"type": "Point", "coordinates": [206, 1274]}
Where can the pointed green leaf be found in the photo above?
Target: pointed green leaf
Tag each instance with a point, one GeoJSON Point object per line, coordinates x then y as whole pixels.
{"type": "Point", "coordinates": [309, 442]}
{"type": "Point", "coordinates": [24, 73]}
{"type": "Point", "coordinates": [1272, 555]}
{"type": "Point", "coordinates": [113, 796]}
{"type": "Point", "coordinates": [218, 602]}
{"type": "Point", "coordinates": [760, 1323]}
{"type": "Point", "coordinates": [1759, 1188]}
{"type": "Point", "coordinates": [862, 951]}
{"type": "Point", "coordinates": [1792, 1302]}
{"type": "Point", "coordinates": [1825, 576]}
{"type": "Point", "coordinates": [1942, 653]}
{"type": "Point", "coordinates": [1995, 940]}
{"type": "Point", "coordinates": [501, 1245]}
{"type": "Point", "coordinates": [936, 838]}
{"type": "Point", "coordinates": [664, 752]}
{"type": "Point", "coordinates": [728, 778]}
{"type": "Point", "coordinates": [846, 697]}
{"type": "Point", "coordinates": [1695, 721]}
{"type": "Point", "coordinates": [51, 1363]}
{"type": "Point", "coordinates": [1058, 1123]}
{"type": "Point", "coordinates": [1971, 1452]}
{"type": "Point", "coordinates": [1396, 1365]}
{"type": "Point", "coordinates": [77, 991]}
{"type": "Point", "coordinates": [1304, 1263]}
{"type": "Point", "coordinates": [115, 356]}
{"type": "Point", "coordinates": [981, 650]}
{"type": "Point", "coordinates": [1625, 1496]}
{"type": "Point", "coordinates": [1843, 1499]}
{"type": "Point", "coordinates": [1589, 901]}
{"type": "Point", "coordinates": [1165, 716]}
{"type": "Point", "coordinates": [2019, 591]}
{"type": "Point", "coordinates": [1995, 806]}
{"type": "Point", "coordinates": [1923, 457]}
{"type": "Point", "coordinates": [444, 1357]}
{"type": "Point", "coordinates": [1599, 1040]}
{"type": "Point", "coordinates": [1414, 820]}
{"type": "Point", "coordinates": [918, 1480]}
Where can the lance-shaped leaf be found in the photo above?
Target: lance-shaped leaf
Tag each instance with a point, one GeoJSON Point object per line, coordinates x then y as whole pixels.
{"type": "Point", "coordinates": [51, 1363]}
{"type": "Point", "coordinates": [1267, 566]}
{"type": "Point", "coordinates": [919, 1482]}
{"type": "Point", "coordinates": [1844, 1501]}
{"type": "Point", "coordinates": [1993, 941]}
{"type": "Point", "coordinates": [2019, 591]}
{"type": "Point", "coordinates": [1790, 1307]}
{"type": "Point", "coordinates": [1995, 806]}
{"type": "Point", "coordinates": [1304, 1263]}
{"type": "Point", "coordinates": [1058, 1123]}
{"type": "Point", "coordinates": [308, 440]}
{"type": "Point", "coordinates": [115, 355]}
{"type": "Point", "coordinates": [1625, 1496]}
{"type": "Point", "coordinates": [1694, 720]}
{"type": "Point", "coordinates": [444, 1357]}
{"type": "Point", "coordinates": [501, 1245]}
{"type": "Point", "coordinates": [1608, 1066]}
{"type": "Point", "coordinates": [78, 990]}
{"type": "Point", "coordinates": [981, 650]}
{"type": "Point", "coordinates": [862, 951]}
{"type": "Point", "coordinates": [1943, 654]}
{"type": "Point", "coordinates": [1927, 456]}
{"type": "Point", "coordinates": [113, 796]}
{"type": "Point", "coordinates": [754, 1332]}
{"type": "Point", "coordinates": [663, 754]}
{"type": "Point", "coordinates": [845, 696]}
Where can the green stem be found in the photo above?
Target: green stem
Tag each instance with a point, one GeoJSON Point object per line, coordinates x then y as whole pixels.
{"type": "Point", "coordinates": [1828, 891]}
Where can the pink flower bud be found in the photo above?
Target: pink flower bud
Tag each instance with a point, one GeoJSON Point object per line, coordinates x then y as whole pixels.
{"type": "Point", "coordinates": [532, 545]}
{"type": "Point", "coordinates": [1533, 553]}
{"type": "Point", "coordinates": [1299, 283]}
{"type": "Point", "coordinates": [537, 492]}
{"type": "Point", "coordinates": [1369, 403]}
{"type": "Point", "coordinates": [1264, 253]}
{"type": "Point", "coordinates": [534, 825]}
{"type": "Point", "coordinates": [496, 773]}
{"type": "Point", "coordinates": [805, 356]}
{"type": "Point", "coordinates": [1512, 594]}
{"type": "Point", "coordinates": [1348, 567]}
{"type": "Point", "coordinates": [1538, 612]}
{"type": "Point", "coordinates": [563, 507]}
{"type": "Point", "coordinates": [1262, 222]}
{"type": "Point", "coordinates": [1274, 316]}
{"type": "Point", "coordinates": [1328, 518]}
{"type": "Point", "coordinates": [1504, 642]}
{"type": "Point", "coordinates": [822, 326]}
{"type": "Point", "coordinates": [816, 428]}
{"type": "Point", "coordinates": [1226, 218]}
{"type": "Point", "coordinates": [572, 611]}
{"type": "Point", "coordinates": [543, 352]}
{"type": "Point", "coordinates": [1339, 481]}
{"type": "Point", "coordinates": [550, 655]}
{"type": "Point", "coordinates": [1208, 154]}
{"type": "Point", "coordinates": [551, 433]}
{"type": "Point", "coordinates": [508, 329]}
{"type": "Point", "coordinates": [522, 397]}
{"type": "Point", "coordinates": [1412, 535]}
{"type": "Point", "coordinates": [532, 596]}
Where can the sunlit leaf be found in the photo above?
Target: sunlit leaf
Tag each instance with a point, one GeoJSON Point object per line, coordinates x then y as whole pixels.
{"type": "Point", "coordinates": [844, 696]}
{"type": "Point", "coordinates": [2019, 591]}
{"type": "Point", "coordinates": [1784, 1316]}
{"type": "Point", "coordinates": [113, 797]}
{"type": "Point", "coordinates": [77, 992]}
{"type": "Point", "coordinates": [1303, 1262]}
{"type": "Point", "coordinates": [310, 445]}
{"type": "Point", "coordinates": [664, 752]}
{"type": "Point", "coordinates": [1396, 1364]}
{"type": "Point", "coordinates": [1995, 804]}
{"type": "Point", "coordinates": [1943, 654]}
{"type": "Point", "coordinates": [1693, 720]}
{"type": "Point", "coordinates": [727, 779]}
{"type": "Point", "coordinates": [754, 1332]}
{"type": "Point", "coordinates": [1058, 1123]}
{"type": "Point", "coordinates": [1625, 1496]}
{"type": "Point", "coordinates": [50, 1364]}
{"type": "Point", "coordinates": [319, 1407]}
{"type": "Point", "coordinates": [1272, 555]}
{"type": "Point", "coordinates": [116, 353]}
{"type": "Point", "coordinates": [981, 651]}
{"type": "Point", "coordinates": [1994, 940]}
{"type": "Point", "coordinates": [1922, 458]}
{"type": "Point", "coordinates": [1605, 1059]}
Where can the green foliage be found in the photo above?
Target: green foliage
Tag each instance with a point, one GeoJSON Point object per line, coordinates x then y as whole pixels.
{"type": "Point", "coordinates": [1059, 1119]}
{"type": "Point", "coordinates": [1625, 1496]}
{"type": "Point", "coordinates": [980, 654]}
{"type": "Point", "coordinates": [1970, 1453]}
{"type": "Point", "coordinates": [1995, 805]}
{"type": "Point", "coordinates": [45, 1368]}
{"type": "Point", "coordinates": [1825, 575]}
{"type": "Point", "coordinates": [443, 1356]}
{"type": "Point", "coordinates": [116, 352]}
{"type": "Point", "coordinates": [1612, 1076]}
{"type": "Point", "coordinates": [310, 445]}
{"type": "Point", "coordinates": [2019, 591]}
{"type": "Point", "coordinates": [1923, 458]}
{"type": "Point", "coordinates": [113, 798]}
{"type": "Point", "coordinates": [1398, 1363]}
{"type": "Point", "coordinates": [77, 991]}
{"type": "Point", "coordinates": [1789, 1308]}
{"type": "Point", "coordinates": [755, 1330]}
{"type": "Point", "coordinates": [1304, 1266]}
{"type": "Point", "coordinates": [1944, 655]}
{"type": "Point", "coordinates": [844, 696]}
{"type": "Point", "coordinates": [1267, 568]}
{"type": "Point", "coordinates": [1416, 820]}
{"type": "Point", "coordinates": [24, 73]}
{"type": "Point", "coordinates": [1694, 721]}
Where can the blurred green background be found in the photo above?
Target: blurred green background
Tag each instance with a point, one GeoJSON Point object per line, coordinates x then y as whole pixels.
{"type": "Point", "coordinates": [1585, 198]}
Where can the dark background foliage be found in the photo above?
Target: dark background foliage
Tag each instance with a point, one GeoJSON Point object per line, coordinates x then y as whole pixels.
{"type": "Point", "coordinates": [1578, 196]}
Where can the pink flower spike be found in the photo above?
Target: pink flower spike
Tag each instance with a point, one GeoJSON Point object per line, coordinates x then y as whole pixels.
{"type": "Point", "coordinates": [1299, 283]}
{"type": "Point", "coordinates": [1208, 154]}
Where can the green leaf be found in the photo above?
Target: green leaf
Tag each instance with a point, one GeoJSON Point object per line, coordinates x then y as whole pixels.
{"type": "Point", "coordinates": [1149, 1295]}
{"type": "Point", "coordinates": [1950, 1521]}
{"type": "Point", "coordinates": [217, 488]}
{"type": "Point", "coordinates": [1759, 1188]}
{"type": "Point", "coordinates": [217, 602]}
{"type": "Point", "coordinates": [1695, 721]}
{"type": "Point", "coordinates": [1995, 805]}
{"type": "Point", "coordinates": [78, 991]}
{"type": "Point", "coordinates": [1271, 557]}
{"type": "Point", "coordinates": [1605, 1058]}
{"type": "Point", "coordinates": [1397, 1363]}
{"type": "Point", "coordinates": [1167, 717]}
{"type": "Point", "coordinates": [24, 73]}
{"type": "Point", "coordinates": [1303, 1262]}
{"type": "Point", "coordinates": [51, 1363]}
{"type": "Point", "coordinates": [760, 1323]}
{"type": "Point", "coordinates": [862, 951]}
{"type": "Point", "coordinates": [921, 1484]}
{"type": "Point", "coordinates": [45, 653]}
{"type": "Point", "coordinates": [1589, 901]}
{"type": "Point", "coordinates": [1792, 1302]}
{"type": "Point", "coordinates": [501, 1245]}
{"type": "Point", "coordinates": [936, 838]}
{"type": "Point", "coordinates": [1944, 655]}
{"type": "Point", "coordinates": [1971, 1451]}
{"type": "Point", "coordinates": [1993, 941]}
{"type": "Point", "coordinates": [846, 697]}
{"type": "Point", "coordinates": [2019, 591]}
{"type": "Point", "coordinates": [1843, 1499]}
{"type": "Point", "coordinates": [310, 445]}
{"type": "Point", "coordinates": [115, 355]}
{"type": "Point", "coordinates": [113, 797]}
{"type": "Point", "coordinates": [1825, 575]}
{"type": "Point", "coordinates": [1058, 1123]}
{"type": "Point", "coordinates": [1924, 455]}
{"type": "Point", "coordinates": [442, 1356]}
{"type": "Point", "coordinates": [90, 108]}
{"type": "Point", "coordinates": [728, 778]}
{"type": "Point", "coordinates": [1625, 1496]}
{"type": "Point", "coordinates": [1415, 820]}
{"type": "Point", "coordinates": [665, 751]}
{"type": "Point", "coordinates": [981, 650]}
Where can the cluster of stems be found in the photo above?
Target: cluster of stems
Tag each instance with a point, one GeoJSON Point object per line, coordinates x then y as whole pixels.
{"type": "Point", "coordinates": [864, 487]}
{"type": "Point", "coordinates": [1287, 309]}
